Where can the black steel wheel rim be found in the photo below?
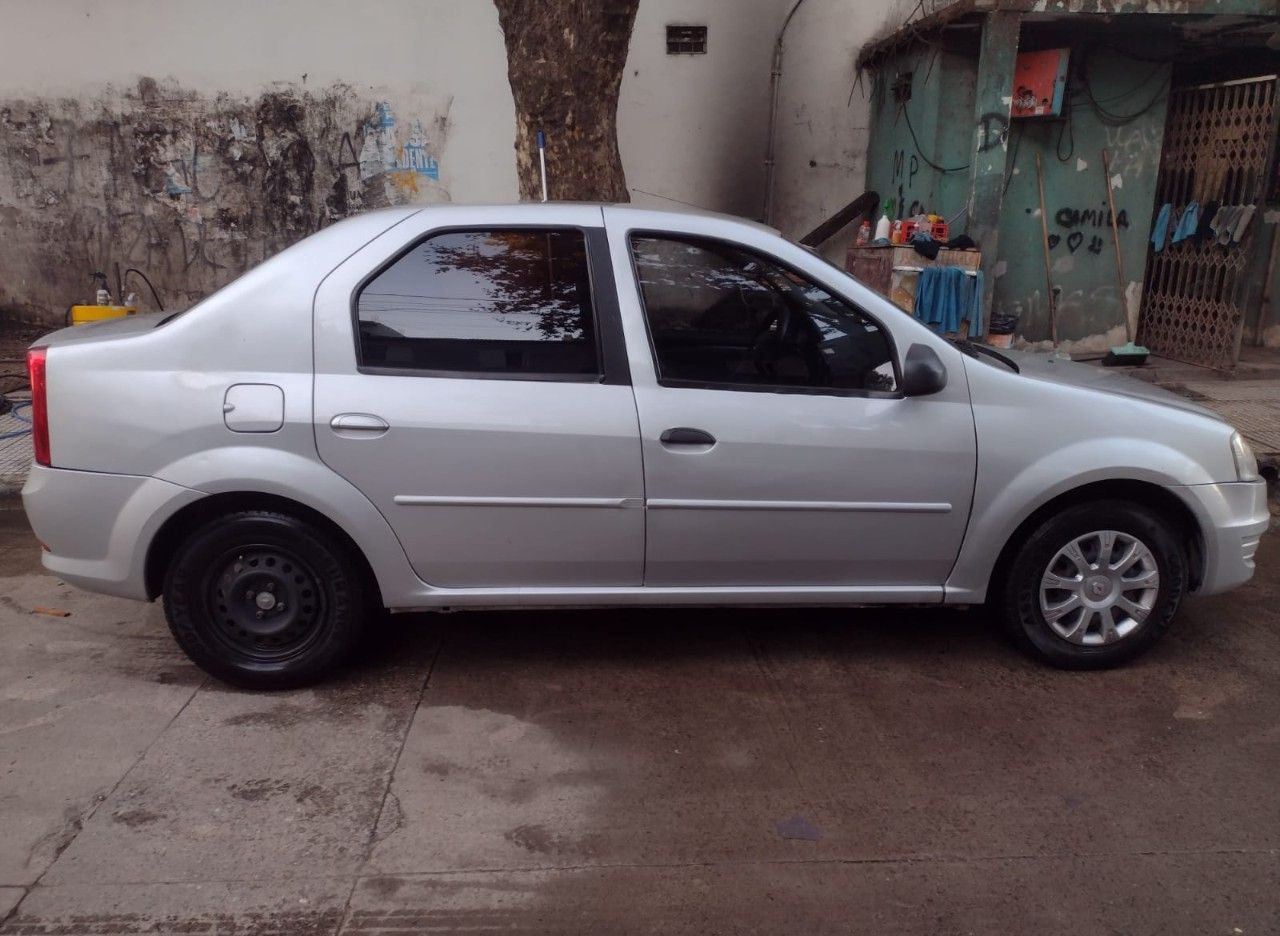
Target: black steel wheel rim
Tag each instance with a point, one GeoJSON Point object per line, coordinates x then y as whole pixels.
{"type": "Point", "coordinates": [266, 603]}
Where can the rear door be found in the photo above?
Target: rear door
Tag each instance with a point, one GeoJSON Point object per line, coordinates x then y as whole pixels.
{"type": "Point", "coordinates": [471, 381]}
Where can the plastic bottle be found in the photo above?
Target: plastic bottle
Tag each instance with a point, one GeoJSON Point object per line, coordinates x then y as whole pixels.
{"type": "Point", "coordinates": [883, 225]}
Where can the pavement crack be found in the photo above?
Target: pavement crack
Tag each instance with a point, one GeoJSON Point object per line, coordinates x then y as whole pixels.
{"type": "Point", "coordinates": [75, 823]}
{"type": "Point", "coordinates": [13, 911]}
{"type": "Point", "coordinates": [394, 821]}
{"type": "Point", "coordinates": [387, 795]}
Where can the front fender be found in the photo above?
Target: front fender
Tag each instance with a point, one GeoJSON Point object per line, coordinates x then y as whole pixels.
{"type": "Point", "coordinates": [1005, 496]}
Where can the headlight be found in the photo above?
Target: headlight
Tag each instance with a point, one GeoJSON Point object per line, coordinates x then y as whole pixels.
{"type": "Point", "coordinates": [1246, 461]}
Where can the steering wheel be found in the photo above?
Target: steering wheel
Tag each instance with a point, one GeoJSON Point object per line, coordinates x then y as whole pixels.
{"type": "Point", "coordinates": [770, 337]}
{"type": "Point", "coordinates": [789, 328]}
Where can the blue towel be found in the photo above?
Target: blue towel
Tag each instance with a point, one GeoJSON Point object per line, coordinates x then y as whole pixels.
{"type": "Point", "coordinates": [1188, 223]}
{"type": "Point", "coordinates": [977, 325]}
{"type": "Point", "coordinates": [946, 296]}
{"type": "Point", "coordinates": [1160, 230]}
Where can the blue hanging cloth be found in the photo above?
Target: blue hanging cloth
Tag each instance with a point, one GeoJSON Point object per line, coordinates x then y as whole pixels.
{"type": "Point", "coordinates": [1188, 223]}
{"type": "Point", "coordinates": [977, 323]}
{"type": "Point", "coordinates": [943, 298]}
{"type": "Point", "coordinates": [1160, 230]}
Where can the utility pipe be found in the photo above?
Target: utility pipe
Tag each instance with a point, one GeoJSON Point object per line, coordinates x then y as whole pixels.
{"type": "Point", "coordinates": [542, 161]}
{"type": "Point", "coordinates": [775, 79]}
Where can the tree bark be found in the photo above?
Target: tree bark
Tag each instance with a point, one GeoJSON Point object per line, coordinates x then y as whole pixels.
{"type": "Point", "coordinates": [565, 60]}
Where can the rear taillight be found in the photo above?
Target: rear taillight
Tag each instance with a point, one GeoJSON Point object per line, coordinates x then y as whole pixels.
{"type": "Point", "coordinates": [39, 404]}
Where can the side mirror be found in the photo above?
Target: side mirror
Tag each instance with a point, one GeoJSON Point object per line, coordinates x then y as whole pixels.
{"type": "Point", "coordinates": [923, 372]}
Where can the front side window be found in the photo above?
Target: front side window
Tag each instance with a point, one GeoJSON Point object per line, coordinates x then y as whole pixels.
{"type": "Point", "coordinates": [722, 315]}
{"type": "Point", "coordinates": [493, 302]}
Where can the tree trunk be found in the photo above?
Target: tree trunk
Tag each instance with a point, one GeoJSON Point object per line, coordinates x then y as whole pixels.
{"type": "Point", "coordinates": [565, 60]}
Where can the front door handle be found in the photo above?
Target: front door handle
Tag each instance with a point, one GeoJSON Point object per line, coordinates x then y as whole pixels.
{"type": "Point", "coordinates": [364, 424]}
{"type": "Point", "coordinates": [683, 435]}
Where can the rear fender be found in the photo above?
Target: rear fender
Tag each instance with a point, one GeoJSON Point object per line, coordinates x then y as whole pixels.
{"type": "Point", "coordinates": [284, 474]}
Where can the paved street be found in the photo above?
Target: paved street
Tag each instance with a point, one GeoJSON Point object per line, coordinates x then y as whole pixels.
{"type": "Point", "coordinates": [761, 771]}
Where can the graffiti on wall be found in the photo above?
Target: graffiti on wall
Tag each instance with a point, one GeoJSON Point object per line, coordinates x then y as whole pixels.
{"type": "Point", "coordinates": [404, 163]}
{"type": "Point", "coordinates": [193, 190]}
{"type": "Point", "coordinates": [1135, 148]}
{"type": "Point", "coordinates": [1081, 225]}
{"type": "Point", "coordinates": [905, 168]}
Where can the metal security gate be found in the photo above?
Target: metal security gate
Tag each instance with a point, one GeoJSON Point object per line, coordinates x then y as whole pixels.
{"type": "Point", "coordinates": [1218, 142]}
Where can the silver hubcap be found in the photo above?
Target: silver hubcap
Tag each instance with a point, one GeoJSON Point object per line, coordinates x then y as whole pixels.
{"type": "Point", "coordinates": [1099, 588]}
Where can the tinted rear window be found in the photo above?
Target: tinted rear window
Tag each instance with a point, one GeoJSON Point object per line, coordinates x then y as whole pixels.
{"type": "Point", "coordinates": [496, 302]}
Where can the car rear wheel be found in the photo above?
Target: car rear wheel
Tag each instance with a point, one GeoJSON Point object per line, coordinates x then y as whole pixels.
{"type": "Point", "coordinates": [1094, 586]}
{"type": "Point", "coordinates": [264, 600]}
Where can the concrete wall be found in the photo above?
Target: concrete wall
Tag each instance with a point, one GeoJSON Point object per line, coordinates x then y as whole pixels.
{"type": "Point", "coordinates": [823, 113]}
{"type": "Point", "coordinates": [691, 128]}
{"type": "Point", "coordinates": [1265, 328]}
{"type": "Point", "coordinates": [190, 140]}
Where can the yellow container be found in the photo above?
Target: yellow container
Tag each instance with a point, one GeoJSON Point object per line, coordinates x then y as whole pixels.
{"type": "Point", "coordinates": [83, 314]}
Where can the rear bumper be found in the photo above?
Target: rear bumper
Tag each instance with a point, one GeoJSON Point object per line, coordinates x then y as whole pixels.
{"type": "Point", "coordinates": [1233, 517]}
{"type": "Point", "coordinates": [95, 527]}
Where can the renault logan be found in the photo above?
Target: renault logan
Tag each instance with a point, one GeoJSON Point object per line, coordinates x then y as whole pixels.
{"type": "Point", "coordinates": [568, 404]}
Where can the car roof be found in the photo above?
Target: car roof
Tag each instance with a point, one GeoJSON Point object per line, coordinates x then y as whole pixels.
{"type": "Point", "coordinates": [651, 214]}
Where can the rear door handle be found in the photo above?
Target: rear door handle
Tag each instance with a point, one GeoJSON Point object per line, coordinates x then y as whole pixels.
{"type": "Point", "coordinates": [683, 435]}
{"type": "Point", "coordinates": [364, 424]}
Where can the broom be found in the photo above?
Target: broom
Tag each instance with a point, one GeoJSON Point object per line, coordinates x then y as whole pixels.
{"type": "Point", "coordinates": [1129, 354]}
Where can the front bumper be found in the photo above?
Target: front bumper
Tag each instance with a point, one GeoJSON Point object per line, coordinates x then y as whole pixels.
{"type": "Point", "coordinates": [1233, 517]}
{"type": "Point", "coordinates": [95, 527]}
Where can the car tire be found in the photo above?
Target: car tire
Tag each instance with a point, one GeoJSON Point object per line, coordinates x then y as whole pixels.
{"type": "Point", "coordinates": [1112, 605]}
{"type": "Point", "coordinates": [264, 600]}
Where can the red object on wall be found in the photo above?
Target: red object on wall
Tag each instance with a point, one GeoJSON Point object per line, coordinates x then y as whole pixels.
{"type": "Point", "coordinates": [1039, 83]}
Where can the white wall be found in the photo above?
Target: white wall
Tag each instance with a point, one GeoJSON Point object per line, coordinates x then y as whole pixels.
{"type": "Point", "coordinates": [693, 127]}
{"type": "Point", "coordinates": [430, 59]}
{"type": "Point", "coordinates": [823, 116]}
{"type": "Point", "coordinates": [82, 79]}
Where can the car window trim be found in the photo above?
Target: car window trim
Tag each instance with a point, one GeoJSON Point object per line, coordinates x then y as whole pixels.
{"type": "Point", "coordinates": [607, 360]}
{"type": "Point", "coordinates": [682, 384]}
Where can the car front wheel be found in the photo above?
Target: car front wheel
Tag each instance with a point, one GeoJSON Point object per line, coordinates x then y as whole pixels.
{"type": "Point", "coordinates": [1095, 585]}
{"type": "Point", "coordinates": [264, 600]}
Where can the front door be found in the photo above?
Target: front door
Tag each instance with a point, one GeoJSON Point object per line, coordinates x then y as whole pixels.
{"type": "Point", "coordinates": [777, 449]}
{"type": "Point", "coordinates": [483, 403]}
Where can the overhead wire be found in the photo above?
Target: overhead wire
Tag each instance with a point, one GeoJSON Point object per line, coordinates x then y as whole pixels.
{"type": "Point", "coordinates": [1108, 116]}
{"type": "Point", "coordinates": [920, 152]}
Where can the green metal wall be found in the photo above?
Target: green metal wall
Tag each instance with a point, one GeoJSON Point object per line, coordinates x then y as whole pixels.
{"type": "Point", "coordinates": [1090, 300]}
{"type": "Point", "coordinates": [941, 109]}
{"type": "Point", "coordinates": [941, 112]}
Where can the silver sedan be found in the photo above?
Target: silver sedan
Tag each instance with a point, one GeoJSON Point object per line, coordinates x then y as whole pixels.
{"type": "Point", "coordinates": [569, 404]}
